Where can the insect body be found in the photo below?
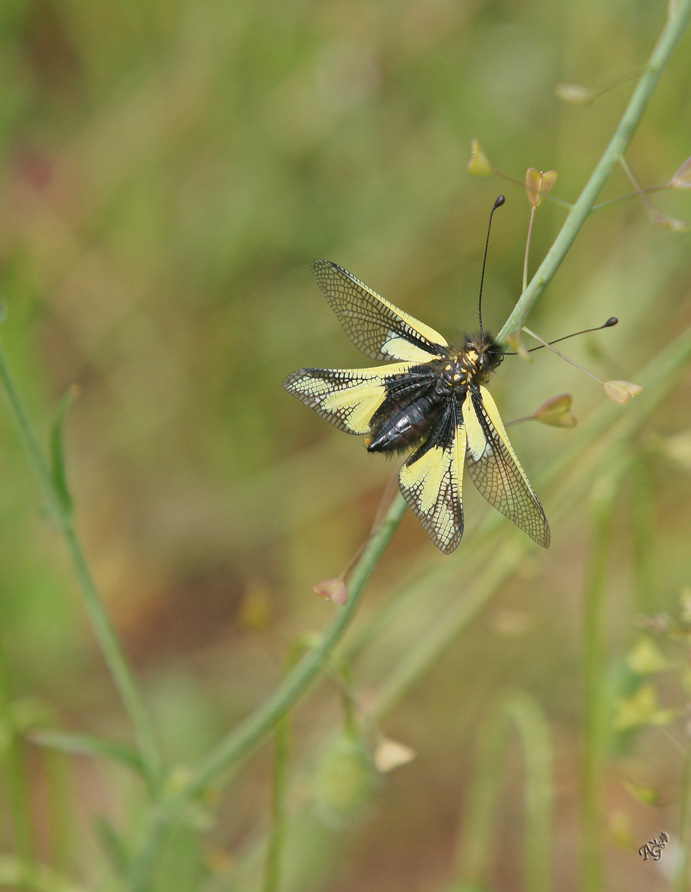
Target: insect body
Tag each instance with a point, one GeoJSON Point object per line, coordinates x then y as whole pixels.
{"type": "Point", "coordinates": [430, 400]}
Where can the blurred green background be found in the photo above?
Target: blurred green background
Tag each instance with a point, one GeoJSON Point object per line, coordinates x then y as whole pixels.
{"type": "Point", "coordinates": [169, 170]}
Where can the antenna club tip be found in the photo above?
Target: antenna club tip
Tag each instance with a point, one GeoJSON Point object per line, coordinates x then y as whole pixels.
{"type": "Point", "coordinates": [610, 322]}
{"type": "Point", "coordinates": [500, 201]}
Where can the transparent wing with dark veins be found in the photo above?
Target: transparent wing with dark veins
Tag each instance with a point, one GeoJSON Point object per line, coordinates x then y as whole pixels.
{"type": "Point", "coordinates": [495, 470]}
{"type": "Point", "coordinates": [348, 398]}
{"type": "Point", "coordinates": [375, 326]}
{"type": "Point", "coordinates": [431, 481]}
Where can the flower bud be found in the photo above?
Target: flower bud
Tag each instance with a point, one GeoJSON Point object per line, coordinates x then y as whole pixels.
{"type": "Point", "coordinates": [345, 780]}
{"type": "Point", "coordinates": [576, 94]}
{"type": "Point", "coordinates": [557, 411]}
{"type": "Point", "coordinates": [538, 185]}
{"type": "Point", "coordinates": [332, 590]}
{"type": "Point", "coordinates": [621, 391]}
{"type": "Point", "coordinates": [682, 177]}
{"type": "Point", "coordinates": [479, 164]}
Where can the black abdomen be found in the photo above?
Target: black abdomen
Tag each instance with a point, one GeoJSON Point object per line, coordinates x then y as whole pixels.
{"type": "Point", "coordinates": [397, 428]}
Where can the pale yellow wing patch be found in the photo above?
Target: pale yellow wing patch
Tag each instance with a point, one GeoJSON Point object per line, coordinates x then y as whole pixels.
{"type": "Point", "coordinates": [374, 325]}
{"type": "Point", "coordinates": [348, 398]}
{"type": "Point", "coordinates": [495, 470]}
{"type": "Point", "coordinates": [431, 482]}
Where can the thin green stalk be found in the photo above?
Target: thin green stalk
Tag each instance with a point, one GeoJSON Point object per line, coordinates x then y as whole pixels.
{"type": "Point", "coordinates": [576, 217]}
{"type": "Point", "coordinates": [109, 643]}
{"type": "Point", "coordinates": [533, 728]}
{"type": "Point", "coordinates": [595, 693]}
{"type": "Point", "coordinates": [644, 525]}
{"type": "Point", "coordinates": [279, 817]}
{"type": "Point", "coordinates": [640, 191]}
{"type": "Point", "coordinates": [610, 434]}
{"type": "Point", "coordinates": [242, 739]}
{"type": "Point", "coordinates": [117, 663]}
{"type": "Point", "coordinates": [478, 843]}
{"type": "Point", "coordinates": [17, 785]}
{"type": "Point", "coordinates": [474, 856]}
{"type": "Point", "coordinates": [60, 802]}
{"type": "Point", "coordinates": [681, 880]}
{"type": "Point", "coordinates": [434, 641]}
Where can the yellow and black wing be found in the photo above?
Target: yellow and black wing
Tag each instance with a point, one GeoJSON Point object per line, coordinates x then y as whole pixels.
{"type": "Point", "coordinates": [431, 481]}
{"type": "Point", "coordinates": [375, 326]}
{"type": "Point", "coordinates": [348, 398]}
{"type": "Point", "coordinates": [495, 470]}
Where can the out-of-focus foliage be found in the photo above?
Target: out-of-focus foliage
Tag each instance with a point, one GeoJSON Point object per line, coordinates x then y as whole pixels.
{"type": "Point", "coordinates": [168, 171]}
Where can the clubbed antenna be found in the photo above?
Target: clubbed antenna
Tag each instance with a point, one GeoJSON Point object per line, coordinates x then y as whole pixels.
{"type": "Point", "coordinates": [497, 204]}
{"type": "Point", "coordinates": [610, 322]}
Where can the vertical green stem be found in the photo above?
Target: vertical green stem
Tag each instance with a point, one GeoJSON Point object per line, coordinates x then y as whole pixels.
{"type": "Point", "coordinates": [117, 662]}
{"type": "Point", "coordinates": [537, 752]}
{"type": "Point", "coordinates": [296, 682]}
{"type": "Point", "coordinates": [109, 643]}
{"type": "Point", "coordinates": [595, 700]}
{"type": "Point", "coordinates": [644, 525]}
{"type": "Point", "coordinates": [474, 856]}
{"type": "Point", "coordinates": [681, 881]}
{"type": "Point", "coordinates": [478, 843]}
{"type": "Point", "coordinates": [240, 741]}
{"type": "Point", "coordinates": [61, 809]}
{"type": "Point", "coordinates": [16, 780]}
{"type": "Point", "coordinates": [274, 855]}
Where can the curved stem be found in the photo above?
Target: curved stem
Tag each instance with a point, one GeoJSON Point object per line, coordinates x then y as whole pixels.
{"type": "Point", "coordinates": [109, 642]}
{"type": "Point", "coordinates": [576, 217]}
{"type": "Point", "coordinates": [593, 767]}
{"type": "Point", "coordinates": [523, 713]}
{"type": "Point", "coordinates": [255, 727]}
{"type": "Point", "coordinates": [258, 725]}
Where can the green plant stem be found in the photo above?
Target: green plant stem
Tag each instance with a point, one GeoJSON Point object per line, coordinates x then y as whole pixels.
{"type": "Point", "coordinates": [60, 802]}
{"type": "Point", "coordinates": [595, 692]}
{"type": "Point", "coordinates": [611, 434]}
{"type": "Point", "coordinates": [645, 521]}
{"type": "Point", "coordinates": [478, 840]}
{"type": "Point", "coordinates": [432, 642]}
{"type": "Point", "coordinates": [17, 786]}
{"type": "Point", "coordinates": [576, 217]}
{"type": "Point", "coordinates": [109, 643]}
{"type": "Point", "coordinates": [682, 877]}
{"type": "Point", "coordinates": [279, 816]}
{"type": "Point", "coordinates": [255, 727]}
{"type": "Point", "coordinates": [242, 739]}
{"type": "Point", "coordinates": [117, 663]}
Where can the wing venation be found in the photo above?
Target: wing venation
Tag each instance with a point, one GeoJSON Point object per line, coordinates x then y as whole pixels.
{"type": "Point", "coordinates": [348, 398]}
{"type": "Point", "coordinates": [375, 326]}
{"type": "Point", "coordinates": [431, 481]}
{"type": "Point", "coordinates": [495, 470]}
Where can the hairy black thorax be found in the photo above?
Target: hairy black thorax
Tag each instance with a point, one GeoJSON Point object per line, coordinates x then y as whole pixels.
{"type": "Point", "coordinates": [418, 401]}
